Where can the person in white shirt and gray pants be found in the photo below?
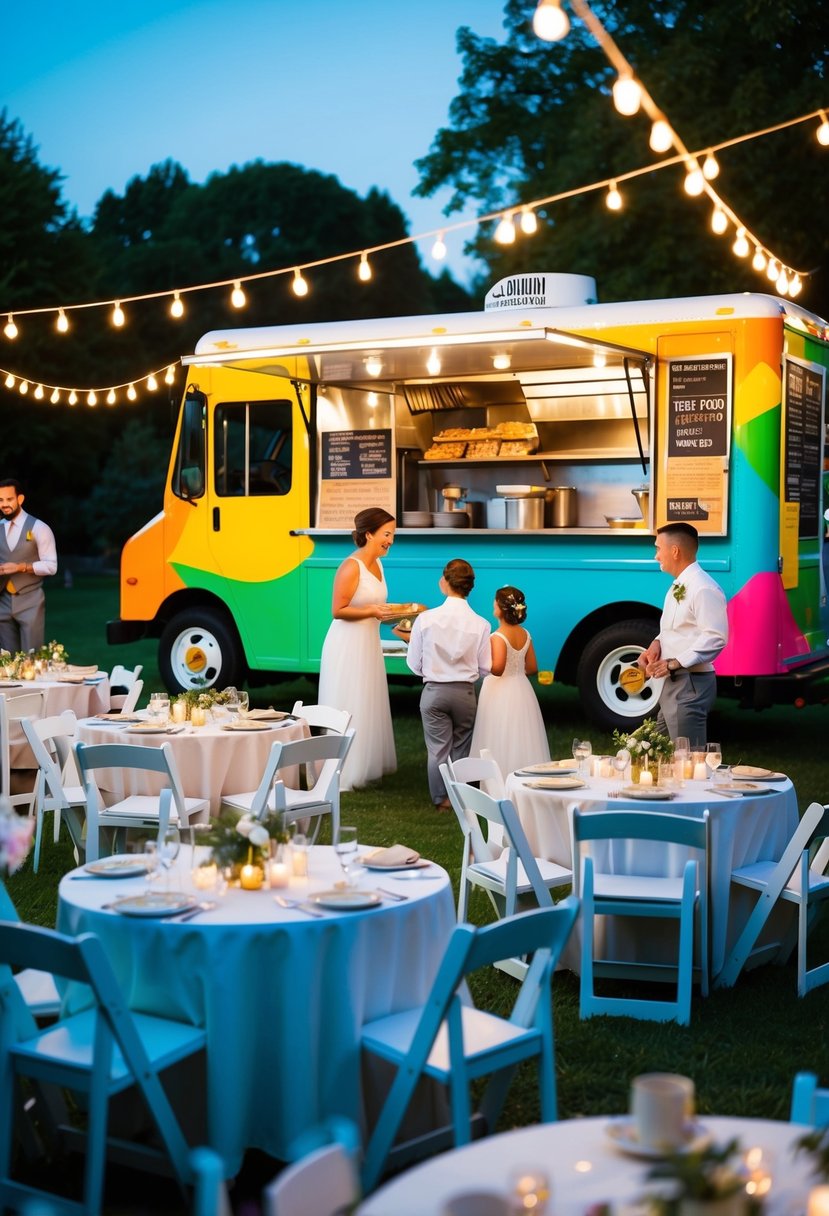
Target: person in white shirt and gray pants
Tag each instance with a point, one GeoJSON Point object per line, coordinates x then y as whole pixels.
{"type": "Point", "coordinates": [27, 556]}
{"type": "Point", "coordinates": [449, 647]}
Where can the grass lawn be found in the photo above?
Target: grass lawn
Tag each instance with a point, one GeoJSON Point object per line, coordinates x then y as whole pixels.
{"type": "Point", "coordinates": [743, 1046]}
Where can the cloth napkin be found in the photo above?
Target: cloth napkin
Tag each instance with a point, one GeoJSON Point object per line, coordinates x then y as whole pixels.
{"type": "Point", "coordinates": [267, 715]}
{"type": "Point", "coordinates": [70, 678]}
{"type": "Point", "coordinates": [394, 856]}
{"type": "Point", "coordinates": [75, 669]}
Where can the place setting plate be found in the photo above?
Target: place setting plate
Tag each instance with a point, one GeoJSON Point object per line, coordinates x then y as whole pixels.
{"type": "Point", "coordinates": [548, 767]}
{"type": "Point", "coordinates": [11, 683]}
{"type": "Point", "coordinates": [562, 782]}
{"type": "Point", "coordinates": [622, 1131]}
{"type": "Point", "coordinates": [256, 724]}
{"type": "Point", "coordinates": [345, 901]}
{"type": "Point", "coordinates": [748, 789]}
{"type": "Point", "coordinates": [647, 793]}
{"type": "Point", "coordinates": [154, 903]}
{"type": "Point", "coordinates": [147, 728]}
{"type": "Point", "coordinates": [420, 864]}
{"type": "Point", "coordinates": [116, 867]}
{"type": "Point", "coordinates": [751, 772]}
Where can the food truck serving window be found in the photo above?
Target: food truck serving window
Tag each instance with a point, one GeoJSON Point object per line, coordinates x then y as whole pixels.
{"type": "Point", "coordinates": [188, 474]}
{"type": "Point", "coordinates": [252, 448]}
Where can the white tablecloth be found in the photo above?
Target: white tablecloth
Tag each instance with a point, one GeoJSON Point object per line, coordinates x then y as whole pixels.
{"type": "Point", "coordinates": [283, 996]}
{"type": "Point", "coordinates": [83, 699]}
{"type": "Point", "coordinates": [211, 761]}
{"type": "Point", "coordinates": [743, 830]}
{"type": "Point", "coordinates": [583, 1166]}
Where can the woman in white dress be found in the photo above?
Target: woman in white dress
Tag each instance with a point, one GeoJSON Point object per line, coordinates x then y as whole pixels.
{"type": "Point", "coordinates": [509, 722]}
{"type": "Point", "coordinates": [352, 671]}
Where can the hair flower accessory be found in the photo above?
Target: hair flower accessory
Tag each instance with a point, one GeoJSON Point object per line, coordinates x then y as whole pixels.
{"type": "Point", "coordinates": [678, 590]}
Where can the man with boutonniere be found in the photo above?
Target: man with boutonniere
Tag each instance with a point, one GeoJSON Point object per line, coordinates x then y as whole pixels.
{"type": "Point", "coordinates": [692, 632]}
{"type": "Point", "coordinates": [27, 556]}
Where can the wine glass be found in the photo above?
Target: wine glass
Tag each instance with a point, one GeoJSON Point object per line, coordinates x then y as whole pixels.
{"type": "Point", "coordinates": [151, 862]}
{"type": "Point", "coordinates": [346, 850]}
{"type": "Point", "coordinates": [244, 703]}
{"type": "Point", "coordinates": [713, 757]}
{"type": "Point", "coordinates": [232, 700]}
{"type": "Point", "coordinates": [169, 849]}
{"type": "Point", "coordinates": [620, 762]}
{"type": "Point", "coordinates": [582, 750]}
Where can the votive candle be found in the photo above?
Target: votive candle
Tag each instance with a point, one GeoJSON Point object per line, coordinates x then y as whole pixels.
{"type": "Point", "coordinates": [251, 878]}
{"type": "Point", "coordinates": [700, 774]}
{"type": "Point", "coordinates": [198, 716]}
{"type": "Point", "coordinates": [299, 862]}
{"type": "Point", "coordinates": [179, 711]}
{"type": "Point", "coordinates": [204, 877]}
{"type": "Point", "coordinates": [278, 874]}
{"type": "Point", "coordinates": [646, 777]}
{"type": "Point", "coordinates": [818, 1202]}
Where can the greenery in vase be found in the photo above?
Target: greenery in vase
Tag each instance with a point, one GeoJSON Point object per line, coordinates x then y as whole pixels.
{"type": "Point", "coordinates": [644, 744]}
{"type": "Point", "coordinates": [204, 698]}
{"type": "Point", "coordinates": [240, 839]}
{"type": "Point", "coordinates": [702, 1175]}
{"type": "Point", "coordinates": [54, 652]}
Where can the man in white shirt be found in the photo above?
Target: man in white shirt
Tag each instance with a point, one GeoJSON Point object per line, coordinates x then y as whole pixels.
{"type": "Point", "coordinates": [27, 556]}
{"type": "Point", "coordinates": [692, 632]}
{"type": "Point", "coordinates": [449, 647]}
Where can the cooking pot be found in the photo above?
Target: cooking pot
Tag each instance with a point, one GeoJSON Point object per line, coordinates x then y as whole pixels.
{"type": "Point", "coordinates": [565, 507]}
{"type": "Point", "coordinates": [525, 514]}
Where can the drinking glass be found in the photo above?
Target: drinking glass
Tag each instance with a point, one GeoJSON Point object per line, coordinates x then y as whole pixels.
{"type": "Point", "coordinates": [682, 754]}
{"type": "Point", "coordinates": [244, 703]}
{"type": "Point", "coordinates": [159, 708]}
{"type": "Point", "coordinates": [232, 700]}
{"type": "Point", "coordinates": [620, 762]}
{"type": "Point", "coordinates": [713, 757]}
{"type": "Point", "coordinates": [582, 750]}
{"type": "Point", "coordinates": [151, 862]}
{"type": "Point", "coordinates": [346, 850]}
{"type": "Point", "coordinates": [168, 851]}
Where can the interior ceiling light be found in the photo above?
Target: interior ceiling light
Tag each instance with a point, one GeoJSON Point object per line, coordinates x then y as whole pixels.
{"type": "Point", "coordinates": [501, 362]}
{"type": "Point", "coordinates": [505, 231]}
{"type": "Point", "coordinates": [710, 167]}
{"type": "Point", "coordinates": [10, 329]}
{"type": "Point", "coordinates": [299, 284]}
{"type": "Point", "coordinates": [177, 307]}
{"type": "Point", "coordinates": [662, 137]}
{"type": "Point", "coordinates": [62, 323]}
{"type": "Point", "coordinates": [528, 221]}
{"type": "Point", "coordinates": [600, 359]}
{"type": "Point", "coordinates": [374, 366]}
{"type": "Point", "coordinates": [364, 269]}
{"type": "Point", "coordinates": [550, 22]}
{"type": "Point", "coordinates": [439, 248]}
{"type": "Point", "coordinates": [237, 297]}
{"type": "Point", "coordinates": [613, 199]}
{"type": "Point", "coordinates": [627, 95]}
{"type": "Point", "coordinates": [433, 364]}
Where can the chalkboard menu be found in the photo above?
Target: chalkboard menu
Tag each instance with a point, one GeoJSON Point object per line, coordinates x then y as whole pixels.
{"type": "Point", "coordinates": [697, 421]}
{"type": "Point", "coordinates": [804, 411]}
{"type": "Point", "coordinates": [356, 455]}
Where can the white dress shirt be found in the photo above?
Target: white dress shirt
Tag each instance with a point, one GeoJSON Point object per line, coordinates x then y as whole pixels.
{"type": "Point", "coordinates": [694, 629]}
{"type": "Point", "coordinates": [450, 643]}
{"type": "Point", "coordinates": [44, 538]}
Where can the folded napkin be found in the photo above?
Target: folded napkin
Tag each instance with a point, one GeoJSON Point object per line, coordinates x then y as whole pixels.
{"type": "Point", "coordinates": [70, 679]}
{"type": "Point", "coordinates": [394, 856]}
{"type": "Point", "coordinates": [116, 717]}
{"type": "Point", "coordinates": [77, 670]}
{"type": "Point", "coordinates": [268, 715]}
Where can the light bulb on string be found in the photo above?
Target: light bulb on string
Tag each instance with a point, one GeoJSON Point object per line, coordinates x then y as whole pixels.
{"type": "Point", "coordinates": [131, 393]}
{"type": "Point", "coordinates": [118, 317]}
{"type": "Point", "coordinates": [72, 398]}
{"type": "Point", "coordinates": [528, 221]}
{"type": "Point", "coordinates": [710, 167]}
{"type": "Point", "coordinates": [433, 364]}
{"type": "Point", "coordinates": [9, 380]}
{"type": "Point", "coordinates": [694, 181]}
{"type": "Point", "coordinates": [39, 392]}
{"type": "Point", "coordinates": [10, 329]}
{"type": "Point", "coordinates": [782, 282]}
{"type": "Point", "coordinates": [627, 95]}
{"type": "Point", "coordinates": [758, 262]}
{"type": "Point", "coordinates": [772, 270]}
{"type": "Point", "coordinates": [613, 199]}
{"type": "Point", "coordinates": [822, 133]}
{"type": "Point", "coordinates": [550, 22]}
{"type": "Point", "coordinates": [719, 221]}
{"type": "Point", "coordinates": [364, 269]}
{"type": "Point", "coordinates": [55, 398]}
{"type": "Point", "coordinates": [505, 231]}
{"type": "Point", "coordinates": [662, 137]}
{"type": "Point", "coordinates": [741, 245]}
{"type": "Point", "coordinates": [152, 383]}
{"type": "Point", "coordinates": [439, 248]}
{"type": "Point", "coordinates": [237, 297]}
{"type": "Point", "coordinates": [170, 375]}
{"type": "Point", "coordinates": [24, 387]}
{"type": "Point", "coordinates": [62, 323]}
{"type": "Point", "coordinates": [91, 397]}
{"type": "Point", "coordinates": [795, 286]}
{"type": "Point", "coordinates": [299, 285]}
{"type": "Point", "coordinates": [111, 397]}
{"type": "Point", "coordinates": [177, 307]}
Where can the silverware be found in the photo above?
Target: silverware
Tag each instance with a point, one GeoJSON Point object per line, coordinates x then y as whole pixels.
{"type": "Point", "coordinates": [725, 793]}
{"type": "Point", "coordinates": [296, 905]}
{"type": "Point", "coordinates": [206, 906]}
{"type": "Point", "coordinates": [392, 895]}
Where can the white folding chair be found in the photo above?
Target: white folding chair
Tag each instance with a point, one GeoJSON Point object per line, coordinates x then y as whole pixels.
{"type": "Point", "coordinates": [38, 988]}
{"type": "Point", "coordinates": [57, 785]}
{"type": "Point", "coordinates": [323, 717]}
{"type": "Point", "coordinates": [483, 770]}
{"type": "Point", "coordinates": [122, 678]}
{"type": "Point", "coordinates": [130, 701]}
{"type": "Point", "coordinates": [642, 894]}
{"type": "Point", "coordinates": [810, 1104]}
{"type": "Point", "coordinates": [796, 880]}
{"type": "Point", "coordinates": [16, 709]}
{"type": "Point", "coordinates": [452, 1041]}
{"type": "Point", "coordinates": [135, 810]}
{"type": "Point", "coordinates": [508, 875]}
{"type": "Point", "coordinates": [100, 1052]}
{"type": "Point", "coordinates": [323, 757]}
{"type": "Point", "coordinates": [324, 1183]}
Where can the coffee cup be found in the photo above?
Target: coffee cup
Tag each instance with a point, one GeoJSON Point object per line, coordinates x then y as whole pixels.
{"type": "Point", "coordinates": [662, 1104]}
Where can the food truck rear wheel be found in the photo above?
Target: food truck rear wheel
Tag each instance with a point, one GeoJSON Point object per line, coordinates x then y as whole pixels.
{"type": "Point", "coordinates": [199, 648]}
{"type": "Point", "coordinates": [601, 679]}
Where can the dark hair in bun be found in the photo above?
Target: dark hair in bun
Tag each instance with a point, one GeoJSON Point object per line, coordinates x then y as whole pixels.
{"type": "Point", "coordinates": [460, 576]}
{"type": "Point", "coordinates": [512, 604]}
{"type": "Point", "coordinates": [369, 521]}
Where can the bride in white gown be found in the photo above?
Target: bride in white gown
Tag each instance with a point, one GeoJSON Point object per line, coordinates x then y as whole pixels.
{"type": "Point", "coordinates": [352, 671]}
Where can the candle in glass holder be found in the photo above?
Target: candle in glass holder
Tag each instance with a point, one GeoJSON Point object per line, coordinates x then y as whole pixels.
{"type": "Point", "coordinates": [818, 1202]}
{"type": "Point", "coordinates": [646, 777]}
{"type": "Point", "coordinates": [700, 771]}
{"type": "Point", "coordinates": [204, 877]}
{"type": "Point", "coordinates": [198, 716]}
{"type": "Point", "coordinates": [278, 874]}
{"type": "Point", "coordinates": [179, 711]}
{"type": "Point", "coordinates": [251, 877]}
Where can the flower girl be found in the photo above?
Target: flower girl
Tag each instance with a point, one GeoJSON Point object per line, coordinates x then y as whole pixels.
{"type": "Point", "coordinates": [509, 722]}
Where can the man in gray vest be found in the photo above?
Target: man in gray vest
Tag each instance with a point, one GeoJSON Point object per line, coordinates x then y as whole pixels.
{"type": "Point", "coordinates": [27, 556]}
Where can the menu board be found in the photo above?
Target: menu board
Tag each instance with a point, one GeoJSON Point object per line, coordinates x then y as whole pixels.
{"type": "Point", "coordinates": [802, 466]}
{"type": "Point", "coordinates": [355, 472]}
{"type": "Point", "coordinates": [698, 424]}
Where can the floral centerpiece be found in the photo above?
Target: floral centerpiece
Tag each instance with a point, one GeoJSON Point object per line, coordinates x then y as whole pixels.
{"type": "Point", "coordinates": [704, 1180]}
{"type": "Point", "coordinates": [53, 652]}
{"type": "Point", "coordinates": [13, 666]}
{"type": "Point", "coordinates": [238, 840]}
{"type": "Point", "coordinates": [202, 698]}
{"type": "Point", "coordinates": [646, 746]}
{"type": "Point", "coordinates": [15, 838]}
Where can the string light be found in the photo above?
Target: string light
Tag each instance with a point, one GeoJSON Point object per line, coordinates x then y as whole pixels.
{"type": "Point", "coordinates": [528, 221]}
{"type": "Point", "coordinates": [822, 133]}
{"type": "Point", "coordinates": [39, 392]}
{"type": "Point", "coordinates": [694, 179]}
{"type": "Point", "coordinates": [170, 375]}
{"type": "Point", "coordinates": [550, 22]}
{"type": "Point", "coordinates": [10, 381]}
{"type": "Point", "coordinates": [10, 329]}
{"type": "Point", "coordinates": [55, 398]}
{"type": "Point", "coordinates": [300, 285]}
{"type": "Point", "coordinates": [505, 230]}
{"type": "Point", "coordinates": [177, 306]}
{"type": "Point", "coordinates": [111, 398]}
{"type": "Point", "coordinates": [710, 167]}
{"type": "Point", "coordinates": [152, 383]}
{"type": "Point", "coordinates": [73, 398]}
{"type": "Point", "coordinates": [118, 317]}
{"type": "Point", "coordinates": [24, 387]}
{"type": "Point", "coordinates": [719, 221]}
{"type": "Point", "coordinates": [758, 262]}
{"type": "Point", "coordinates": [795, 286]}
{"type": "Point", "coordinates": [662, 137]}
{"type": "Point", "coordinates": [782, 283]}
{"type": "Point", "coordinates": [237, 297]}
{"type": "Point", "coordinates": [613, 199]}
{"type": "Point", "coordinates": [741, 245]}
{"type": "Point", "coordinates": [91, 398]}
{"type": "Point", "coordinates": [627, 95]}
{"type": "Point", "coordinates": [62, 323]}
{"type": "Point", "coordinates": [364, 269]}
{"type": "Point", "coordinates": [131, 393]}
{"type": "Point", "coordinates": [439, 248]}
{"type": "Point", "coordinates": [772, 270]}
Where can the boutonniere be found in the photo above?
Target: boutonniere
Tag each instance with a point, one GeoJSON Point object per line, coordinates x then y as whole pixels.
{"type": "Point", "coordinates": [29, 535]}
{"type": "Point", "coordinates": [679, 592]}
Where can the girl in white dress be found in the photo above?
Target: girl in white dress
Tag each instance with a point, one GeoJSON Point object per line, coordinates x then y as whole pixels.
{"type": "Point", "coordinates": [352, 671]}
{"type": "Point", "coordinates": [509, 722]}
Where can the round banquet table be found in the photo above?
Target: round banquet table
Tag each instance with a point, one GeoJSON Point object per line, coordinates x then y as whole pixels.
{"type": "Point", "coordinates": [211, 761]}
{"type": "Point", "coordinates": [84, 697]}
{"type": "Point", "coordinates": [282, 995]}
{"type": "Point", "coordinates": [584, 1167]}
{"type": "Point", "coordinates": [743, 830]}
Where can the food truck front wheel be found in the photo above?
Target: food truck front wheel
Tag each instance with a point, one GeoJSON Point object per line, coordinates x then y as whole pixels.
{"type": "Point", "coordinates": [199, 648]}
{"type": "Point", "coordinates": [613, 690]}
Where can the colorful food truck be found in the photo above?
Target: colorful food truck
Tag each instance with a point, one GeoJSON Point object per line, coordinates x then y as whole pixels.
{"type": "Point", "coordinates": [544, 439]}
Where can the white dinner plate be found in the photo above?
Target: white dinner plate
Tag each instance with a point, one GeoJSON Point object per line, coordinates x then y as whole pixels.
{"type": "Point", "coordinates": [549, 766]}
{"type": "Point", "coordinates": [749, 772]}
{"type": "Point", "coordinates": [420, 864]}
{"type": "Point", "coordinates": [154, 903]}
{"type": "Point", "coordinates": [147, 728]}
{"type": "Point", "coordinates": [116, 867]}
{"type": "Point", "coordinates": [255, 725]}
{"type": "Point", "coordinates": [747, 788]}
{"type": "Point", "coordinates": [622, 1132]}
{"type": "Point", "coordinates": [344, 901]}
{"type": "Point", "coordinates": [563, 782]}
{"type": "Point", "coordinates": [652, 793]}
{"type": "Point", "coordinates": [11, 683]}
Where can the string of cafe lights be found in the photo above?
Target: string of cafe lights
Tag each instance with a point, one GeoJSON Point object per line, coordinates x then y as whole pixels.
{"type": "Point", "coordinates": [551, 24]}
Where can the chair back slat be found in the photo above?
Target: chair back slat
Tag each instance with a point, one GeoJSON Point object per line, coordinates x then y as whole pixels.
{"type": "Point", "coordinates": [640, 825]}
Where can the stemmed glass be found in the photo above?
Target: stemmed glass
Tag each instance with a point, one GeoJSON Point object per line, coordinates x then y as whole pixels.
{"type": "Point", "coordinates": [151, 862]}
{"type": "Point", "coordinates": [620, 762]}
{"type": "Point", "coordinates": [232, 700]}
{"type": "Point", "coordinates": [582, 749]}
{"type": "Point", "coordinates": [713, 757]}
{"type": "Point", "coordinates": [244, 703]}
{"type": "Point", "coordinates": [346, 850]}
{"type": "Point", "coordinates": [170, 845]}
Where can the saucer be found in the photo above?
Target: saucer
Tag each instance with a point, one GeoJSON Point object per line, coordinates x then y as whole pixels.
{"type": "Point", "coordinates": [622, 1131]}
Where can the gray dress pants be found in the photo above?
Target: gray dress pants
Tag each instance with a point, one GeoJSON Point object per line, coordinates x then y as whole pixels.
{"type": "Point", "coordinates": [684, 705]}
{"type": "Point", "coordinates": [22, 619]}
{"type": "Point", "coordinates": [448, 715]}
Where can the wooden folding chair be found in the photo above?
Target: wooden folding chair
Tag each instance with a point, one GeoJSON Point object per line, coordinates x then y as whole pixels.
{"type": "Point", "coordinates": [99, 1052]}
{"type": "Point", "coordinates": [453, 1042]}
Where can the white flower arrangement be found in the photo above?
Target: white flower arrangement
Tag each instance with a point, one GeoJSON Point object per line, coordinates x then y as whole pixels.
{"type": "Point", "coordinates": [15, 838]}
